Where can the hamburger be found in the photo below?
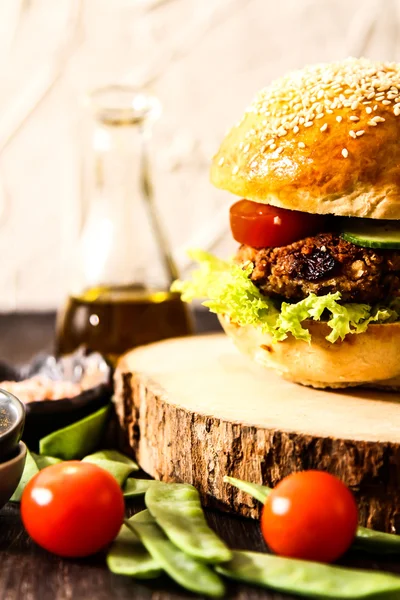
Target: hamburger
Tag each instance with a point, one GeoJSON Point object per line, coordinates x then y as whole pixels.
{"type": "Point", "coordinates": [314, 289]}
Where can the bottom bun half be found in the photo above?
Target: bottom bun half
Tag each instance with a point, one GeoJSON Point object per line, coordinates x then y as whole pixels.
{"type": "Point", "coordinates": [369, 359]}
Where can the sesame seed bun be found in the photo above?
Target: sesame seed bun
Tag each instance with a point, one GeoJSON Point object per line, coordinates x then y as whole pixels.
{"type": "Point", "coordinates": [368, 359]}
{"type": "Point", "coordinates": [321, 140]}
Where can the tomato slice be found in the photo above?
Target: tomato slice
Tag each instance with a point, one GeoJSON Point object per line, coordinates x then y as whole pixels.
{"type": "Point", "coordinates": [310, 515]}
{"type": "Point", "coordinates": [73, 508]}
{"type": "Point", "coordinates": [262, 225]}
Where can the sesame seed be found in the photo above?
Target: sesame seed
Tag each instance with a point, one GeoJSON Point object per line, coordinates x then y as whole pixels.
{"type": "Point", "coordinates": [324, 127]}
{"type": "Point", "coordinates": [345, 153]}
{"type": "Point", "coordinates": [235, 170]}
{"type": "Point", "coordinates": [360, 132]}
{"type": "Point", "coordinates": [279, 150]}
{"type": "Point", "coordinates": [336, 89]}
{"type": "Point", "coordinates": [379, 119]}
{"type": "Point", "coordinates": [254, 164]}
{"type": "Point", "coordinates": [301, 145]}
{"type": "Point", "coordinates": [221, 161]}
{"type": "Point", "coordinates": [352, 134]}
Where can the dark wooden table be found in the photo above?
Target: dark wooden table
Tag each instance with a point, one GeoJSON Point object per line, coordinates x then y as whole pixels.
{"type": "Point", "coordinates": [29, 573]}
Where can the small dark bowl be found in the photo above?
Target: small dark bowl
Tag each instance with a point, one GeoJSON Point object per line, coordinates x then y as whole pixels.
{"type": "Point", "coordinates": [45, 416]}
{"type": "Point", "coordinates": [11, 473]}
{"type": "Point", "coordinates": [12, 421]}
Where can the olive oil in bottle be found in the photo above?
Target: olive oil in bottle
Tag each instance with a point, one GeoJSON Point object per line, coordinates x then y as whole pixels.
{"type": "Point", "coordinates": [115, 319]}
{"type": "Point", "coordinates": [123, 268]}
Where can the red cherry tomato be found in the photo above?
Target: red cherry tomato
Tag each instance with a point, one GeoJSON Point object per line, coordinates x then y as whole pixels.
{"type": "Point", "coordinates": [310, 515]}
{"type": "Point", "coordinates": [263, 226]}
{"type": "Point", "coordinates": [72, 508]}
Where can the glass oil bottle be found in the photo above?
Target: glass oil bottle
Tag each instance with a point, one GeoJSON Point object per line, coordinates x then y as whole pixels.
{"type": "Point", "coordinates": [123, 269]}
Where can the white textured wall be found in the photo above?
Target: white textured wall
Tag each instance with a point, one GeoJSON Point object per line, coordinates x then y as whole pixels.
{"type": "Point", "coordinates": [205, 60]}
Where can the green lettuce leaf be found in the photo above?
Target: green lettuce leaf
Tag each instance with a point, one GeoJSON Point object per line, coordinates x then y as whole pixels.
{"type": "Point", "coordinates": [228, 290]}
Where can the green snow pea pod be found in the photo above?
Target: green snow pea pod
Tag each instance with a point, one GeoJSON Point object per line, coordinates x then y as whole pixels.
{"type": "Point", "coordinates": [136, 487]}
{"type": "Point", "coordinates": [309, 579]}
{"type": "Point", "coordinates": [178, 511]}
{"type": "Point", "coordinates": [366, 539]}
{"type": "Point", "coordinates": [30, 471]}
{"type": "Point", "coordinates": [128, 556]}
{"type": "Point", "coordinates": [76, 440]}
{"type": "Point", "coordinates": [44, 461]}
{"type": "Point", "coordinates": [117, 464]}
{"type": "Point", "coordinates": [33, 464]}
{"type": "Point", "coordinates": [259, 492]}
{"type": "Point", "coordinates": [182, 568]}
{"type": "Point", "coordinates": [377, 542]}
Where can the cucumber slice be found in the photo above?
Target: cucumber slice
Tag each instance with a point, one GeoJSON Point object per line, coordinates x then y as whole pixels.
{"type": "Point", "coordinates": [375, 234]}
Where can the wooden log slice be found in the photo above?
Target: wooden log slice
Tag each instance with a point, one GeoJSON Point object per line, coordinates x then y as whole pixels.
{"type": "Point", "coordinates": [193, 410]}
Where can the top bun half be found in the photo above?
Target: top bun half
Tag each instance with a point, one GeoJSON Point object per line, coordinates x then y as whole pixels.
{"type": "Point", "coordinates": [325, 139]}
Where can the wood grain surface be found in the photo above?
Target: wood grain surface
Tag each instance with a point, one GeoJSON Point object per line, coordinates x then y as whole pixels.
{"type": "Point", "coordinates": [235, 418]}
{"type": "Point", "coordinates": [29, 573]}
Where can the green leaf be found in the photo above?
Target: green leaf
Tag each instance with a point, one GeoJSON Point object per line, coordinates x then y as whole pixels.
{"type": "Point", "coordinates": [228, 290]}
{"type": "Point", "coordinates": [76, 440]}
{"type": "Point", "coordinates": [117, 464]}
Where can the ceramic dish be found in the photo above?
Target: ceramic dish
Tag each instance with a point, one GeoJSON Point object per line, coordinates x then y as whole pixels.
{"type": "Point", "coordinates": [12, 420]}
{"type": "Point", "coordinates": [10, 473]}
{"type": "Point", "coordinates": [91, 372]}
